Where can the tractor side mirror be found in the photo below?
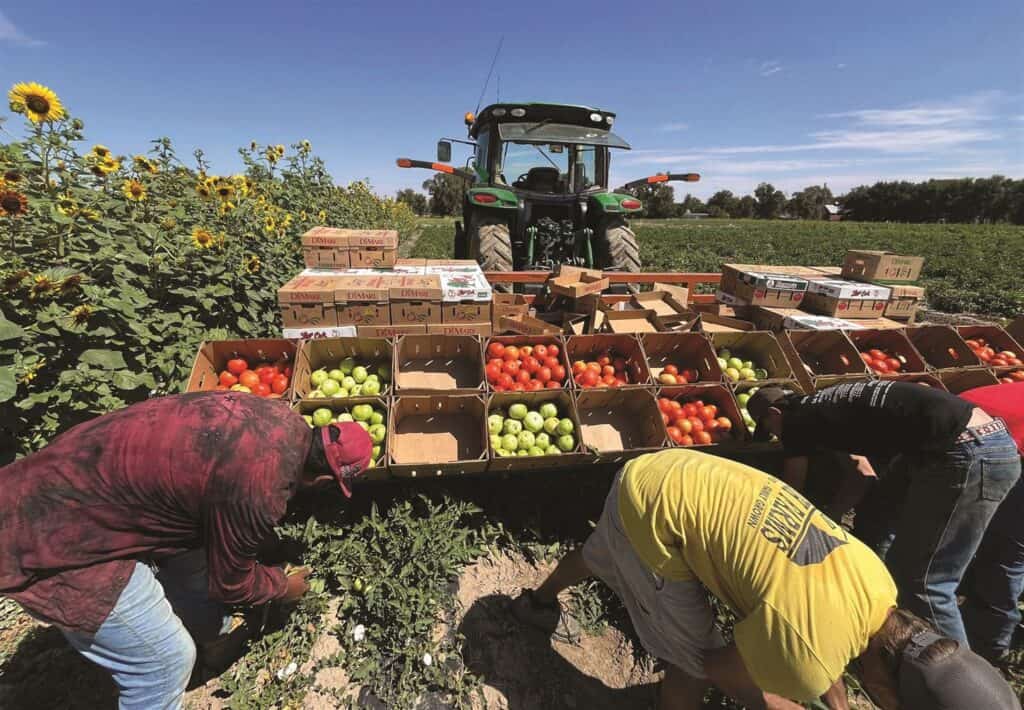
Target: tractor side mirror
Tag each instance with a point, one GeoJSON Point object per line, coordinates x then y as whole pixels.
{"type": "Point", "coordinates": [444, 151]}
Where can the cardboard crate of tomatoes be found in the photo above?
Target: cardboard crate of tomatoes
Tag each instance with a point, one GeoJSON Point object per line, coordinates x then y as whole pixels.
{"type": "Point", "coordinates": [261, 367]}
{"type": "Point", "coordinates": [525, 363]}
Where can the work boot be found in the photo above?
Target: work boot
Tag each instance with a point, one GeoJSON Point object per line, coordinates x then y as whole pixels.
{"type": "Point", "coordinates": [552, 619]}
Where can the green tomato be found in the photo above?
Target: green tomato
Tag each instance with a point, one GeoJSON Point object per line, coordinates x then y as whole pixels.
{"type": "Point", "coordinates": [535, 451]}
{"type": "Point", "coordinates": [322, 416]}
{"type": "Point", "coordinates": [365, 426]}
{"type": "Point", "coordinates": [347, 365]}
{"type": "Point", "coordinates": [518, 411]}
{"type": "Point", "coordinates": [551, 425]}
{"type": "Point", "coordinates": [348, 383]}
{"type": "Point", "coordinates": [375, 453]}
{"type": "Point", "coordinates": [510, 442]}
{"type": "Point", "coordinates": [384, 372]}
{"type": "Point", "coordinates": [527, 439]}
{"type": "Point", "coordinates": [494, 423]}
{"type": "Point", "coordinates": [512, 426]}
{"type": "Point", "coordinates": [371, 388]}
{"type": "Point", "coordinates": [735, 363]}
{"type": "Point", "coordinates": [496, 441]}
{"type": "Point", "coordinates": [553, 451]}
{"type": "Point", "coordinates": [747, 374]}
{"type": "Point", "coordinates": [543, 440]}
{"type": "Point", "coordinates": [566, 442]}
{"type": "Point", "coordinates": [359, 374]}
{"type": "Point", "coordinates": [336, 375]}
{"type": "Point", "coordinates": [345, 417]}
{"type": "Point", "coordinates": [377, 417]}
{"type": "Point", "coordinates": [318, 377]}
{"type": "Point", "coordinates": [330, 388]}
{"type": "Point", "coordinates": [308, 419]}
{"type": "Point", "coordinates": [362, 412]}
{"type": "Point", "coordinates": [377, 433]}
{"type": "Point", "coordinates": [743, 399]}
{"type": "Point", "coordinates": [356, 391]}
{"type": "Point", "coordinates": [723, 363]}
{"type": "Point", "coordinates": [724, 353]}
{"type": "Point", "coordinates": [533, 422]}
{"type": "Point", "coordinates": [548, 410]}
{"type": "Point", "coordinates": [565, 426]}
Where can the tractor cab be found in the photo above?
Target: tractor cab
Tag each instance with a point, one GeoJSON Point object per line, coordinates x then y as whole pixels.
{"type": "Point", "coordinates": [538, 190]}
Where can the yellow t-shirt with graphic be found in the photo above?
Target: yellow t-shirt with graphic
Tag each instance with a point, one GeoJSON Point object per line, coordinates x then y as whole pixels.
{"type": "Point", "coordinates": [809, 595]}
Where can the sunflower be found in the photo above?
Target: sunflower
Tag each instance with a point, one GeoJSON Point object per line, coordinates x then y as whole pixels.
{"type": "Point", "coordinates": [134, 190]}
{"type": "Point", "coordinates": [41, 285]}
{"type": "Point", "coordinates": [322, 216]}
{"type": "Point", "coordinates": [252, 264]}
{"type": "Point", "coordinates": [91, 215]}
{"type": "Point", "coordinates": [144, 164]}
{"type": "Point", "coordinates": [225, 207]}
{"type": "Point", "coordinates": [286, 221]}
{"type": "Point", "coordinates": [203, 190]}
{"type": "Point", "coordinates": [303, 216]}
{"type": "Point", "coordinates": [106, 165]}
{"type": "Point", "coordinates": [80, 315]}
{"type": "Point", "coordinates": [269, 225]}
{"type": "Point", "coordinates": [36, 101]}
{"type": "Point", "coordinates": [306, 146]}
{"type": "Point", "coordinates": [203, 238]}
{"type": "Point", "coordinates": [70, 283]}
{"type": "Point", "coordinates": [100, 151]}
{"type": "Point", "coordinates": [11, 176]}
{"type": "Point", "coordinates": [13, 204]}
{"type": "Point", "coordinates": [271, 154]}
{"type": "Point", "coordinates": [225, 190]}
{"type": "Point", "coordinates": [66, 205]}
{"type": "Point", "coordinates": [241, 183]}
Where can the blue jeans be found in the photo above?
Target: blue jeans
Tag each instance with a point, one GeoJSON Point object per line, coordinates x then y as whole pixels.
{"type": "Point", "coordinates": [996, 580]}
{"type": "Point", "coordinates": [144, 643]}
{"type": "Point", "coordinates": [950, 499]}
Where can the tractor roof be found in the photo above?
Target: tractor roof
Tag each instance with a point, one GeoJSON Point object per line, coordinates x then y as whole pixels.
{"type": "Point", "coordinates": [535, 112]}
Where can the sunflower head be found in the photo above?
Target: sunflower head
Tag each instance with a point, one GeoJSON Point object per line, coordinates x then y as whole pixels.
{"type": "Point", "coordinates": [305, 146]}
{"type": "Point", "coordinates": [91, 215]}
{"type": "Point", "coordinates": [203, 190]}
{"type": "Point", "coordinates": [203, 238]}
{"type": "Point", "coordinates": [100, 151]}
{"type": "Point", "coordinates": [80, 315]}
{"type": "Point", "coordinates": [144, 164]}
{"type": "Point", "coordinates": [271, 154]}
{"type": "Point", "coordinates": [225, 190]}
{"type": "Point", "coordinates": [252, 264]}
{"type": "Point", "coordinates": [12, 204]}
{"type": "Point", "coordinates": [66, 205]}
{"type": "Point", "coordinates": [322, 216]}
{"type": "Point", "coordinates": [12, 281]}
{"type": "Point", "coordinates": [106, 165]}
{"type": "Point", "coordinates": [36, 101]}
{"type": "Point", "coordinates": [134, 190]}
{"type": "Point", "coordinates": [225, 207]}
{"type": "Point", "coordinates": [70, 283]}
{"type": "Point", "coordinates": [269, 225]}
{"type": "Point", "coordinates": [41, 285]}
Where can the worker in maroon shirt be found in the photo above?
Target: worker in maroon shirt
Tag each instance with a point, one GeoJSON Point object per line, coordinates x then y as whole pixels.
{"type": "Point", "coordinates": [996, 579]}
{"type": "Point", "coordinates": [133, 529]}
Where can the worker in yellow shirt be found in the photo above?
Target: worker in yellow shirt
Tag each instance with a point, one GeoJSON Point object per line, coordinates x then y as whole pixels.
{"type": "Point", "coordinates": [810, 598]}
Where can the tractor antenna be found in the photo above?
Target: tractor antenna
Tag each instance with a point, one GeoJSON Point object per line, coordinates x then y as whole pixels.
{"type": "Point", "coordinates": [487, 81]}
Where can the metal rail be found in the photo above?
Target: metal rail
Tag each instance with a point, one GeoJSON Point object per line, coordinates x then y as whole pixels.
{"type": "Point", "coordinates": [689, 280]}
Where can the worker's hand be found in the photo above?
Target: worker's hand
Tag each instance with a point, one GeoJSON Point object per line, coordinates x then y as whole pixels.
{"type": "Point", "coordinates": [297, 584]}
{"type": "Point", "coordinates": [864, 467]}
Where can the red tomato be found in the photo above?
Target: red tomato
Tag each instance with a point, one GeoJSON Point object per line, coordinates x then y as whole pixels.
{"type": "Point", "coordinates": [558, 373]}
{"type": "Point", "coordinates": [698, 425]}
{"type": "Point", "coordinates": [523, 376]}
{"type": "Point", "coordinates": [691, 374]}
{"type": "Point", "coordinates": [881, 366]}
{"type": "Point", "coordinates": [499, 388]}
{"type": "Point", "coordinates": [986, 353]}
{"type": "Point", "coordinates": [495, 350]}
{"type": "Point", "coordinates": [877, 354]}
{"type": "Point", "coordinates": [1007, 354]}
{"type": "Point", "coordinates": [708, 412]}
{"type": "Point", "coordinates": [511, 353]}
{"type": "Point", "coordinates": [866, 357]}
{"type": "Point", "coordinates": [540, 351]}
{"type": "Point", "coordinates": [578, 366]}
{"type": "Point", "coordinates": [496, 361]}
{"type": "Point", "coordinates": [493, 372]}
{"type": "Point", "coordinates": [669, 369]}
{"type": "Point", "coordinates": [534, 385]}
{"type": "Point", "coordinates": [893, 364]}
{"type": "Point", "coordinates": [702, 438]}
{"type": "Point", "coordinates": [698, 403]}
{"type": "Point", "coordinates": [227, 379]}
{"type": "Point", "coordinates": [553, 351]}
{"type": "Point", "coordinates": [1013, 362]}
{"type": "Point", "coordinates": [619, 381]}
{"type": "Point", "coordinates": [505, 381]}
{"type": "Point", "coordinates": [544, 374]}
{"type": "Point", "coordinates": [604, 360]}
{"type": "Point", "coordinates": [686, 440]}
{"type": "Point", "coordinates": [684, 424]}
{"type": "Point", "coordinates": [552, 385]}
{"type": "Point", "coordinates": [249, 379]}
{"type": "Point", "coordinates": [530, 364]}
{"type": "Point", "coordinates": [690, 409]}
{"type": "Point", "coordinates": [222, 388]}
{"type": "Point", "coordinates": [518, 387]}
{"type": "Point", "coordinates": [665, 404]}
{"type": "Point", "coordinates": [608, 370]}
{"type": "Point", "coordinates": [664, 419]}
{"type": "Point", "coordinates": [511, 367]}
{"type": "Point", "coordinates": [549, 361]}
{"type": "Point", "coordinates": [596, 367]}
{"type": "Point", "coordinates": [279, 385]}
{"type": "Point", "coordinates": [1017, 375]}
{"type": "Point", "coordinates": [262, 389]}
{"type": "Point", "coordinates": [674, 434]}
{"type": "Point", "coordinates": [526, 351]}
{"type": "Point", "coordinates": [267, 375]}
{"type": "Point", "coordinates": [609, 380]}
{"type": "Point", "coordinates": [677, 406]}
{"type": "Point", "coordinates": [998, 361]}
{"type": "Point", "coordinates": [589, 378]}
{"type": "Point", "coordinates": [236, 366]}
{"type": "Point", "coordinates": [724, 423]}
{"type": "Point", "coordinates": [973, 344]}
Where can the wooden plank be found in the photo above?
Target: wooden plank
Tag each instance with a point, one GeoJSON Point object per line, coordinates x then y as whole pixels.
{"type": "Point", "coordinates": [686, 279]}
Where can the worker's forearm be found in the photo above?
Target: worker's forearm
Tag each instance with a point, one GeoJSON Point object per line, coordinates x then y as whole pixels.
{"type": "Point", "coordinates": [835, 697]}
{"type": "Point", "coordinates": [794, 472]}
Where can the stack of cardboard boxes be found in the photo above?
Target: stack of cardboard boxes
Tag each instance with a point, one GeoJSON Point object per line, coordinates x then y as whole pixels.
{"type": "Point", "coordinates": [356, 285]}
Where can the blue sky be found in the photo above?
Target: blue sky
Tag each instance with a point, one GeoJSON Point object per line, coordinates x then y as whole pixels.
{"type": "Point", "coordinates": [793, 92]}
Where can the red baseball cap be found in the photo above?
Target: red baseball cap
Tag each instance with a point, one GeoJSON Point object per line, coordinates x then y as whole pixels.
{"type": "Point", "coordinates": [349, 456]}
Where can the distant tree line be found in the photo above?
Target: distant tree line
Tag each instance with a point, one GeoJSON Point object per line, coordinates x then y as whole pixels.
{"type": "Point", "coordinates": [994, 199]}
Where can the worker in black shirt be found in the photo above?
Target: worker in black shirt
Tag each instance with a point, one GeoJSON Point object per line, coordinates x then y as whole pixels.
{"type": "Point", "coordinates": [959, 463]}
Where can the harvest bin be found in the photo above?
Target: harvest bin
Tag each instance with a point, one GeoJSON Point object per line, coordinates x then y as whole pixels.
{"type": "Point", "coordinates": [685, 351]}
{"type": "Point", "coordinates": [425, 364]}
{"type": "Point", "coordinates": [521, 340]}
{"type": "Point", "coordinates": [997, 338]}
{"type": "Point", "coordinates": [826, 355]}
{"type": "Point", "coordinates": [329, 352]}
{"type": "Point", "coordinates": [566, 409]}
{"type": "Point", "coordinates": [942, 347]}
{"type": "Point", "coordinates": [213, 355]}
{"type": "Point", "coordinates": [718, 395]}
{"type": "Point", "coordinates": [957, 381]}
{"type": "Point", "coordinates": [763, 348]}
{"type": "Point", "coordinates": [437, 434]}
{"type": "Point", "coordinates": [308, 406]}
{"type": "Point", "coordinates": [618, 424]}
{"type": "Point", "coordinates": [590, 347]}
{"type": "Point", "coordinates": [894, 342]}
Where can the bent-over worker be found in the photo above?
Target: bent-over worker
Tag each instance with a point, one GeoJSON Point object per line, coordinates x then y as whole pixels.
{"type": "Point", "coordinates": [130, 524]}
{"type": "Point", "coordinates": [809, 597]}
{"type": "Point", "coordinates": [958, 463]}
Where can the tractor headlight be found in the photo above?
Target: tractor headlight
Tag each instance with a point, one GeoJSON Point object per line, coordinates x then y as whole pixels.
{"type": "Point", "coordinates": [498, 112]}
{"type": "Point", "coordinates": [595, 117]}
{"type": "Point", "coordinates": [609, 120]}
{"type": "Point", "coordinates": [518, 112]}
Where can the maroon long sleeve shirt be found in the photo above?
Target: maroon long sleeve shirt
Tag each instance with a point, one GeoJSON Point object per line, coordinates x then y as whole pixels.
{"type": "Point", "coordinates": [212, 470]}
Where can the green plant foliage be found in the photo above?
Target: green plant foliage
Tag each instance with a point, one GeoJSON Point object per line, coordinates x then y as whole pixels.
{"type": "Point", "coordinates": [118, 266]}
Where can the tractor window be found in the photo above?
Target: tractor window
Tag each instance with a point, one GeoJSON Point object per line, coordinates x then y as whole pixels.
{"type": "Point", "coordinates": [483, 146]}
{"type": "Point", "coordinates": [535, 167]}
{"type": "Point", "coordinates": [587, 155]}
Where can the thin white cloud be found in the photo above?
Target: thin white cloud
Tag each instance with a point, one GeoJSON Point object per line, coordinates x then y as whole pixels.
{"type": "Point", "coordinates": [770, 67]}
{"type": "Point", "coordinates": [672, 127]}
{"type": "Point", "coordinates": [840, 66]}
{"type": "Point", "coordinates": [10, 34]}
{"type": "Point", "coordinates": [961, 111]}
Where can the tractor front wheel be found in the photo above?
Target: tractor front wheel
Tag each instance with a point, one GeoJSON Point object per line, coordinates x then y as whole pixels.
{"type": "Point", "coordinates": [490, 243]}
{"type": "Point", "coordinates": [616, 248]}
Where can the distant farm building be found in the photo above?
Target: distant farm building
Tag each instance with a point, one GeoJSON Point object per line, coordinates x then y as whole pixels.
{"type": "Point", "coordinates": [834, 212]}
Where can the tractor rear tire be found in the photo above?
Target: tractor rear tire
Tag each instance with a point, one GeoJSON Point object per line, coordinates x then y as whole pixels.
{"type": "Point", "coordinates": [617, 249]}
{"type": "Point", "coordinates": [491, 246]}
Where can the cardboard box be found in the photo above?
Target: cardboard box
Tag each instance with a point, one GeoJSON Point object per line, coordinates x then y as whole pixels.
{"type": "Point", "coordinates": [805, 321]}
{"type": "Point", "coordinates": [642, 321]}
{"type": "Point", "coordinates": [689, 321]}
{"type": "Point", "coordinates": [1016, 329]}
{"type": "Point", "coordinates": [877, 324]}
{"type": "Point", "coordinates": [312, 333]}
{"type": "Point", "coordinates": [826, 353]}
{"type": "Point", "coordinates": [942, 347]}
{"type": "Point", "coordinates": [870, 265]}
{"type": "Point", "coordinates": [573, 282]}
{"type": "Point", "coordinates": [761, 347]}
{"type": "Point", "coordinates": [436, 435]}
{"type": "Point", "coordinates": [846, 299]}
{"type": "Point", "coordinates": [308, 301]}
{"type": "Point", "coordinates": [894, 342]}
{"type": "Point", "coordinates": [481, 330]}
{"type": "Point", "coordinates": [618, 424]}
{"type": "Point", "coordinates": [666, 300]}
{"type": "Point", "coordinates": [772, 318]}
{"type": "Point", "coordinates": [687, 351]}
{"type": "Point", "coordinates": [527, 325]}
{"type": "Point", "coordinates": [830, 272]}
{"type": "Point", "coordinates": [589, 347]}
{"type": "Point", "coordinates": [362, 300]}
{"type": "Point", "coordinates": [416, 266]}
{"type": "Point", "coordinates": [326, 248]}
{"type": "Point", "coordinates": [957, 381]}
{"type": "Point", "coordinates": [465, 312]}
{"type": "Point", "coordinates": [723, 399]}
{"type": "Point", "coordinates": [430, 363]}
{"type": "Point", "coordinates": [389, 331]}
{"type": "Point", "coordinates": [533, 340]}
{"type": "Point", "coordinates": [415, 300]}
{"type": "Point", "coordinates": [372, 248]}
{"type": "Point", "coordinates": [213, 355]}
{"type": "Point", "coordinates": [904, 302]}
{"type": "Point", "coordinates": [461, 281]}
{"type": "Point", "coordinates": [997, 338]}
{"type": "Point", "coordinates": [566, 404]}
{"type": "Point", "coordinates": [711, 323]}
{"type": "Point", "coordinates": [762, 288]}
{"type": "Point", "coordinates": [508, 305]}
{"type": "Point", "coordinates": [328, 353]}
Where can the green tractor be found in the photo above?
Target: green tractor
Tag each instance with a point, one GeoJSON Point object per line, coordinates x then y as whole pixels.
{"type": "Point", "coordinates": [538, 193]}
